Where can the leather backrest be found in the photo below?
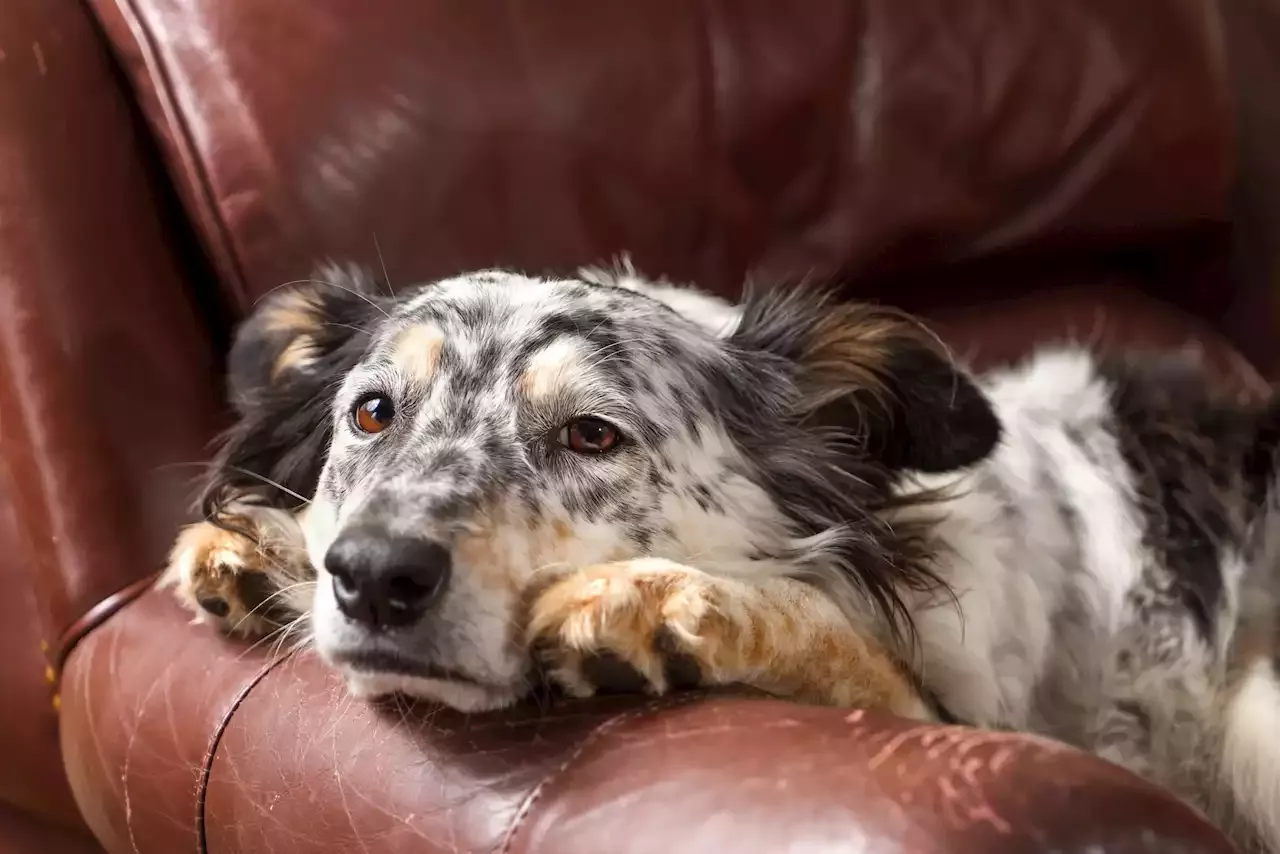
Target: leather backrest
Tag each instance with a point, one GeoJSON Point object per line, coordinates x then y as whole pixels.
{"type": "Point", "coordinates": [712, 141]}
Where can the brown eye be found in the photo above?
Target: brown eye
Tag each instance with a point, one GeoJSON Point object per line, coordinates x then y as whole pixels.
{"type": "Point", "coordinates": [373, 413]}
{"type": "Point", "coordinates": [589, 436]}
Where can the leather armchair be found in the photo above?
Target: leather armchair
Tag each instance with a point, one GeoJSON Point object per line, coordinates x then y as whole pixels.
{"type": "Point", "coordinates": [1014, 171]}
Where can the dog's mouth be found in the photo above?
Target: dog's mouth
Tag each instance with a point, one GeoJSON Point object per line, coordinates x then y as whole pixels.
{"type": "Point", "coordinates": [377, 662]}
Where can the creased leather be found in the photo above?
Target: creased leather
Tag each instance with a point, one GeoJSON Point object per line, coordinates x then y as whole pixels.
{"type": "Point", "coordinates": [708, 139]}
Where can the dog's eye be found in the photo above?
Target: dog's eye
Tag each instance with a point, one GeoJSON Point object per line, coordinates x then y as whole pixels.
{"type": "Point", "coordinates": [589, 436]}
{"type": "Point", "coordinates": [373, 413]}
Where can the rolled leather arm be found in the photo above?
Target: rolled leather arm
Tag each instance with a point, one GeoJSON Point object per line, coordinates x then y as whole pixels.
{"type": "Point", "coordinates": [176, 738]}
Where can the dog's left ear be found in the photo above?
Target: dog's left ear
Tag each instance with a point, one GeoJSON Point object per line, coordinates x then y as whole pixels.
{"type": "Point", "coordinates": [303, 335]}
{"type": "Point", "coordinates": [876, 374]}
{"type": "Point", "coordinates": [287, 359]}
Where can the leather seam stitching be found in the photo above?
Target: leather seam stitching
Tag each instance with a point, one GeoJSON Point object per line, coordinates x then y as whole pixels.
{"type": "Point", "coordinates": [95, 616]}
{"type": "Point", "coordinates": [526, 808]}
{"type": "Point", "coordinates": [215, 740]}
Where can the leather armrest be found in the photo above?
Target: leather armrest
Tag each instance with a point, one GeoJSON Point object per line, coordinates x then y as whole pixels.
{"type": "Point", "coordinates": [175, 738]}
{"type": "Point", "coordinates": [107, 375]}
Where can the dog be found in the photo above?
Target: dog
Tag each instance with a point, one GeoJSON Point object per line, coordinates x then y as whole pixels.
{"type": "Point", "coordinates": [496, 479]}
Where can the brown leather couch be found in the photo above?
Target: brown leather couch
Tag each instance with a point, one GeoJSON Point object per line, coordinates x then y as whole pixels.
{"type": "Point", "coordinates": [1014, 169]}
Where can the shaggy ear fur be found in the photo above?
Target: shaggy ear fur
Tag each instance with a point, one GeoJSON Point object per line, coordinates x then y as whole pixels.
{"type": "Point", "coordinates": [876, 373]}
{"type": "Point", "coordinates": [830, 403]}
{"type": "Point", "coordinates": [283, 370]}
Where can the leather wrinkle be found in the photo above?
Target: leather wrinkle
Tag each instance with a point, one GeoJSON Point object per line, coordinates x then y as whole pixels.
{"type": "Point", "coordinates": [595, 735]}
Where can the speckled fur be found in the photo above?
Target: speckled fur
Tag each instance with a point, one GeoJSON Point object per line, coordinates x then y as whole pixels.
{"type": "Point", "coordinates": [1113, 567]}
{"type": "Point", "coordinates": [814, 501]}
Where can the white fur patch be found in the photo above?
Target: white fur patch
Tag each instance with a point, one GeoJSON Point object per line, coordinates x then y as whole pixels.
{"type": "Point", "coordinates": [1013, 557]}
{"type": "Point", "coordinates": [1251, 750]}
{"type": "Point", "coordinates": [463, 696]}
{"type": "Point", "coordinates": [711, 312]}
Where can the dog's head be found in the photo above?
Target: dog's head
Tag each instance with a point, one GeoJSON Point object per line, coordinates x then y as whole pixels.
{"type": "Point", "coordinates": [480, 433]}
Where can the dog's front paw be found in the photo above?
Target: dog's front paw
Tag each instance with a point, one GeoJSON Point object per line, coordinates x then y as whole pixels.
{"type": "Point", "coordinates": [222, 577]}
{"type": "Point", "coordinates": [597, 626]}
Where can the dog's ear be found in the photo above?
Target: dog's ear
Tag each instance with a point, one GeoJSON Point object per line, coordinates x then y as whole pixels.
{"type": "Point", "coordinates": [285, 365]}
{"type": "Point", "coordinates": [302, 330]}
{"type": "Point", "coordinates": [874, 374]}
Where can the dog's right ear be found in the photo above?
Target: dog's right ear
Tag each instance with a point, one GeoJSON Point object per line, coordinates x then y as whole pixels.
{"type": "Point", "coordinates": [876, 374]}
{"type": "Point", "coordinates": [302, 331]}
{"type": "Point", "coordinates": [285, 365]}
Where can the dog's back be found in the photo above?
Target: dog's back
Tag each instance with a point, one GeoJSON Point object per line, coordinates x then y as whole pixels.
{"type": "Point", "coordinates": [1205, 474]}
{"type": "Point", "coordinates": [1115, 562]}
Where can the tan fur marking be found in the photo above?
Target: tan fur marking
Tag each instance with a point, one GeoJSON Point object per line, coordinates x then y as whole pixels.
{"type": "Point", "coordinates": [484, 562]}
{"type": "Point", "coordinates": [561, 531]}
{"type": "Point", "coordinates": [293, 311]}
{"type": "Point", "coordinates": [480, 551]}
{"type": "Point", "coordinates": [549, 369]}
{"type": "Point", "coordinates": [780, 636]}
{"type": "Point", "coordinates": [296, 353]}
{"type": "Point", "coordinates": [210, 563]}
{"type": "Point", "coordinates": [207, 562]}
{"type": "Point", "coordinates": [850, 350]}
{"type": "Point", "coordinates": [417, 350]}
{"type": "Point", "coordinates": [296, 315]}
{"type": "Point", "coordinates": [484, 555]}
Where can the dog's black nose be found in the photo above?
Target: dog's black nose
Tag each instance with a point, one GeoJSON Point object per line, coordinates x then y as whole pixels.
{"type": "Point", "coordinates": [384, 581]}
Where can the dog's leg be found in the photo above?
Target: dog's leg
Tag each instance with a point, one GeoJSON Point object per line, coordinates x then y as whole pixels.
{"type": "Point", "coordinates": [778, 635]}
{"type": "Point", "coordinates": [249, 577]}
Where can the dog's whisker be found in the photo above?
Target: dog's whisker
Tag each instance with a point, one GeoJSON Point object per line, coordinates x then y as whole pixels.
{"type": "Point", "coordinates": [278, 594]}
{"type": "Point", "coordinates": [333, 325]}
{"type": "Point", "coordinates": [269, 482]}
{"type": "Point", "coordinates": [328, 284]}
{"type": "Point", "coordinates": [295, 634]}
{"type": "Point", "coordinates": [386, 277]}
{"type": "Point", "coordinates": [269, 637]}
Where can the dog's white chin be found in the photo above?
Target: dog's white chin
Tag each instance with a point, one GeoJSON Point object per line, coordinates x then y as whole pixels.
{"type": "Point", "coordinates": [462, 696]}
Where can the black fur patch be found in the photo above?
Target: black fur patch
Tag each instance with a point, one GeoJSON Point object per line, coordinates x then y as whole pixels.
{"type": "Point", "coordinates": [1201, 463]}
{"type": "Point", "coordinates": [942, 422]}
